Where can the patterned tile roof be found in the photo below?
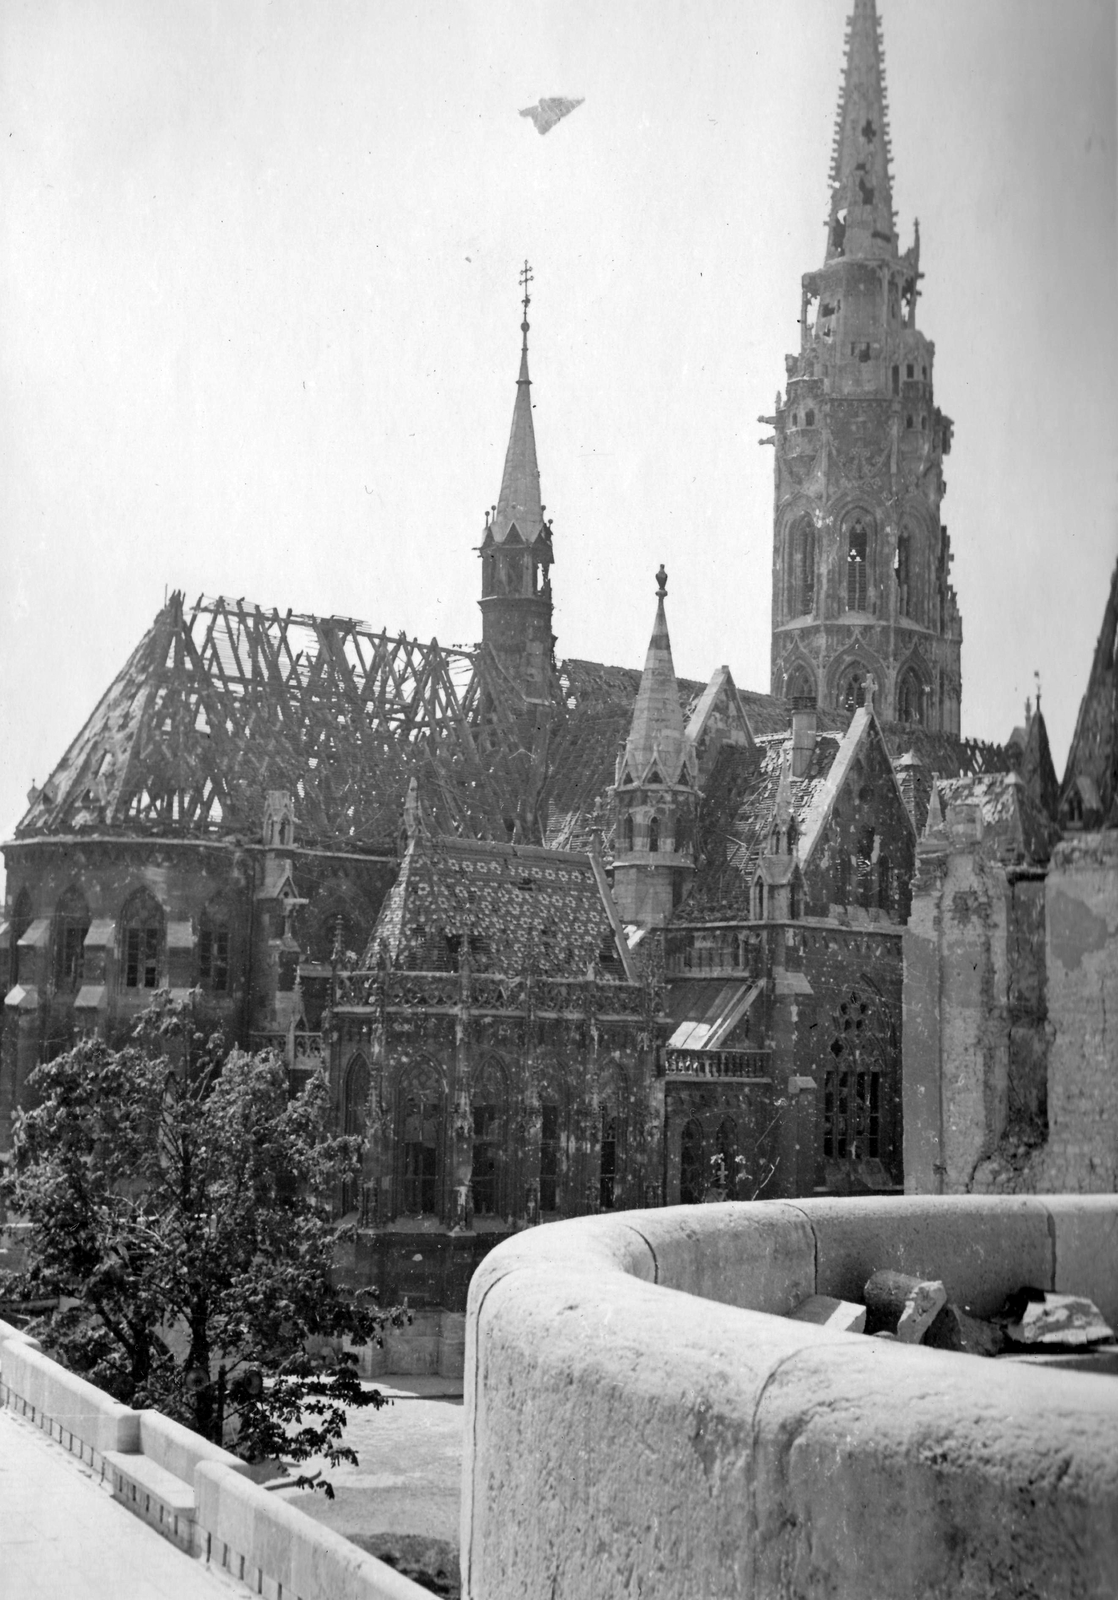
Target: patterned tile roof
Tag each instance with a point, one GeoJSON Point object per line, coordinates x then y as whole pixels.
{"type": "Point", "coordinates": [516, 907]}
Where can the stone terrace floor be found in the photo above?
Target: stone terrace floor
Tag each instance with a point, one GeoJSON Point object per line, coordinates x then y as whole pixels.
{"type": "Point", "coordinates": [63, 1537]}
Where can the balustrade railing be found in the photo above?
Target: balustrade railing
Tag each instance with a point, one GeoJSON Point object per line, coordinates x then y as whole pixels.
{"type": "Point", "coordinates": [487, 991]}
{"type": "Point", "coordinates": [718, 1063]}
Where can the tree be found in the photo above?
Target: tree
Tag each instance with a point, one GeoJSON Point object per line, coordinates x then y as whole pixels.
{"type": "Point", "coordinates": [180, 1205]}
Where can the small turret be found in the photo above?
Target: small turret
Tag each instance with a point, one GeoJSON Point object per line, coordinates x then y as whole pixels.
{"type": "Point", "coordinates": [656, 792]}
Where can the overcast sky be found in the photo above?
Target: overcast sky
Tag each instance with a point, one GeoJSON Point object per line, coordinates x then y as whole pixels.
{"type": "Point", "coordinates": [258, 280]}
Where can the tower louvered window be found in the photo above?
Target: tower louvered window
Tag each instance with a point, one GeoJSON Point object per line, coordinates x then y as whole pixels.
{"type": "Point", "coordinates": [857, 550]}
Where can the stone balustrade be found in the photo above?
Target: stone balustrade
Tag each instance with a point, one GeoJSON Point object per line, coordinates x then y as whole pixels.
{"type": "Point", "coordinates": [195, 1493]}
{"type": "Point", "coordinates": [643, 1418]}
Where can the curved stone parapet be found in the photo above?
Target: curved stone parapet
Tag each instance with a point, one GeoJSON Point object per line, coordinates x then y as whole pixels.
{"type": "Point", "coordinates": [642, 1420]}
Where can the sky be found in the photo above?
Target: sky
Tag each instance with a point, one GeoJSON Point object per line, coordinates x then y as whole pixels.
{"type": "Point", "coordinates": [259, 318]}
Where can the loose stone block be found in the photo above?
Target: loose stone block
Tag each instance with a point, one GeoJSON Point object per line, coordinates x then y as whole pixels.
{"type": "Point", "coordinates": [1060, 1319]}
{"type": "Point", "coordinates": [899, 1303]}
{"type": "Point", "coordinates": [841, 1316]}
{"type": "Point", "coordinates": [955, 1330]}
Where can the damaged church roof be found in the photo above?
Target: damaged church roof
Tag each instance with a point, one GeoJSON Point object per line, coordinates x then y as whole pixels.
{"type": "Point", "coordinates": [222, 702]}
{"type": "Point", "coordinates": [997, 809]}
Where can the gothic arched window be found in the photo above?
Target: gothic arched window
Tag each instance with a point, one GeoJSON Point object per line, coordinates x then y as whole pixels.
{"type": "Point", "coordinates": [420, 1139]}
{"type": "Point", "coordinates": [902, 569]}
{"type": "Point", "coordinates": [214, 948]}
{"type": "Point", "coordinates": [71, 924]}
{"type": "Point", "coordinates": [21, 920]}
{"type": "Point", "coordinates": [857, 563]}
{"type": "Point", "coordinates": [910, 698]}
{"type": "Point", "coordinates": [554, 1117]}
{"type": "Point", "coordinates": [141, 941]}
{"type": "Point", "coordinates": [490, 1116]}
{"type": "Point", "coordinates": [727, 1156]}
{"type": "Point", "coordinates": [800, 685]}
{"type": "Point", "coordinates": [611, 1161]}
{"type": "Point", "coordinates": [801, 592]}
{"type": "Point", "coordinates": [863, 1051]}
{"type": "Point", "coordinates": [692, 1178]}
{"type": "Point", "coordinates": [654, 834]}
{"type": "Point", "coordinates": [851, 693]}
{"type": "Point", "coordinates": [355, 1111]}
{"type": "Point", "coordinates": [627, 832]}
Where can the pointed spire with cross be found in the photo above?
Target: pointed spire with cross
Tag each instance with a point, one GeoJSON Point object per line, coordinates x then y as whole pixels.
{"type": "Point", "coordinates": [526, 276]}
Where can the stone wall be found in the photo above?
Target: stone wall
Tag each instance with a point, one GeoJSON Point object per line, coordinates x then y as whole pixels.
{"type": "Point", "coordinates": [1010, 991]}
{"type": "Point", "coordinates": [1081, 896]}
{"type": "Point", "coordinates": [975, 1035]}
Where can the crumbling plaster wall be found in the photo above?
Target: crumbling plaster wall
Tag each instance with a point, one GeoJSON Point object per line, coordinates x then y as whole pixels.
{"type": "Point", "coordinates": [955, 1020]}
{"type": "Point", "coordinates": [1081, 1155]}
{"type": "Point", "coordinates": [976, 1029]}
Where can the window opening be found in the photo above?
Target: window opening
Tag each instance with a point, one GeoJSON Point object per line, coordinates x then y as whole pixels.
{"type": "Point", "coordinates": [896, 380]}
{"type": "Point", "coordinates": [691, 1176]}
{"type": "Point", "coordinates": [910, 370]}
{"type": "Point", "coordinates": [421, 1126]}
{"type": "Point", "coordinates": [654, 834]}
{"type": "Point", "coordinates": [142, 943]}
{"type": "Point", "coordinates": [213, 952]}
{"type": "Point", "coordinates": [726, 1158]}
{"type": "Point", "coordinates": [611, 1156]}
{"type": "Point", "coordinates": [856, 552]}
{"type": "Point", "coordinates": [355, 1101]}
{"type": "Point", "coordinates": [489, 1103]}
{"type": "Point", "coordinates": [803, 568]}
{"type": "Point", "coordinates": [852, 1085]}
{"type": "Point", "coordinates": [809, 419]}
{"type": "Point", "coordinates": [549, 1156]}
{"type": "Point", "coordinates": [21, 921]}
{"type": "Point", "coordinates": [71, 926]}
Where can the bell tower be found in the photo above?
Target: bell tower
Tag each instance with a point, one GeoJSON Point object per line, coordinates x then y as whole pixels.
{"type": "Point", "coordinates": [516, 556]}
{"type": "Point", "coordinates": [861, 560]}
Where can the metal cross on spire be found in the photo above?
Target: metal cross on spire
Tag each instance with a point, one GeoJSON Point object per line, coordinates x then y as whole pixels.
{"type": "Point", "coordinates": [525, 280]}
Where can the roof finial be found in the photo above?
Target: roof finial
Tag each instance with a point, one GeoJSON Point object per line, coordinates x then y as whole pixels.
{"type": "Point", "coordinates": [661, 582]}
{"type": "Point", "coordinates": [525, 280]}
{"type": "Point", "coordinates": [1036, 675]}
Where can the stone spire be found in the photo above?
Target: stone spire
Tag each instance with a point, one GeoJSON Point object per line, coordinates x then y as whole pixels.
{"type": "Point", "coordinates": [861, 222]}
{"type": "Point", "coordinates": [656, 793]}
{"type": "Point", "coordinates": [654, 750]}
{"type": "Point", "coordinates": [516, 553]}
{"type": "Point", "coordinates": [518, 504]}
{"type": "Point", "coordinates": [1089, 793]}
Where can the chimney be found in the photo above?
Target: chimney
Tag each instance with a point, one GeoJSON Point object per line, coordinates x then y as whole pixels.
{"type": "Point", "coordinates": [805, 719]}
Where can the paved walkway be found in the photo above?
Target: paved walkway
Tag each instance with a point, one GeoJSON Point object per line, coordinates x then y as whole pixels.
{"type": "Point", "coordinates": [63, 1537]}
{"type": "Point", "coordinates": [409, 1474]}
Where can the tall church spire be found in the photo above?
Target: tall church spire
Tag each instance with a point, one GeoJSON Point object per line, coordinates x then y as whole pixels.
{"type": "Point", "coordinates": [518, 504]}
{"type": "Point", "coordinates": [861, 224]}
{"type": "Point", "coordinates": [516, 553]}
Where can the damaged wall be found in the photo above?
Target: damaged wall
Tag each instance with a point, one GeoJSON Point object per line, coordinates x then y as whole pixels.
{"type": "Point", "coordinates": [975, 1014]}
{"type": "Point", "coordinates": [1081, 895]}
